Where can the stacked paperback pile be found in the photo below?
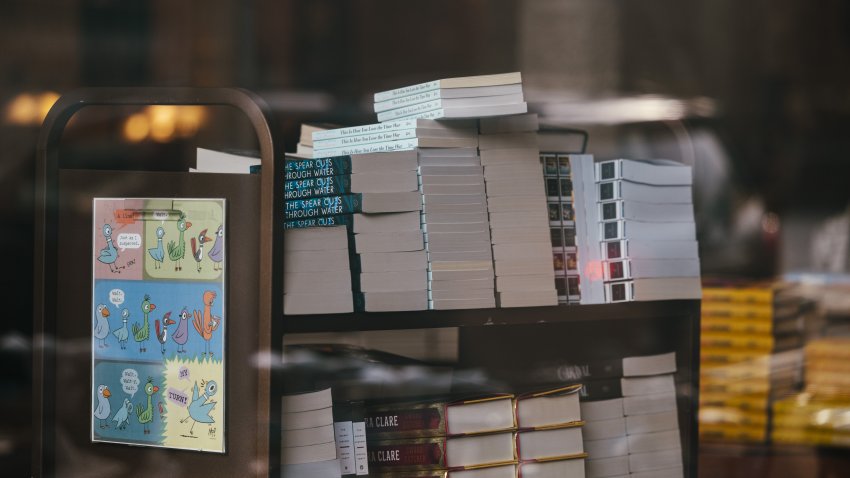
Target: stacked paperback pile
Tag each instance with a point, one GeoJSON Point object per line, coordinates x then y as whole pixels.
{"type": "Point", "coordinates": [308, 446]}
{"type": "Point", "coordinates": [519, 227]}
{"type": "Point", "coordinates": [636, 435]}
{"type": "Point", "coordinates": [367, 193]}
{"type": "Point", "coordinates": [465, 97]}
{"type": "Point", "coordinates": [304, 148]}
{"type": "Point", "coordinates": [562, 225]}
{"type": "Point", "coordinates": [534, 436]}
{"type": "Point", "coordinates": [457, 229]}
{"type": "Point", "coordinates": [316, 271]}
{"type": "Point", "coordinates": [751, 334]}
{"type": "Point", "coordinates": [635, 230]}
{"type": "Point", "coordinates": [819, 416]}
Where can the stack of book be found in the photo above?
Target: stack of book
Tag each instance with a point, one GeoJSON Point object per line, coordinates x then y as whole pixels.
{"type": "Point", "coordinates": [304, 148]}
{"type": "Point", "coordinates": [819, 416]}
{"type": "Point", "coordinates": [308, 447]}
{"type": "Point", "coordinates": [635, 230]}
{"type": "Point", "coordinates": [519, 226]}
{"type": "Point", "coordinates": [457, 229]}
{"type": "Point", "coordinates": [316, 271]}
{"type": "Point", "coordinates": [638, 434]}
{"type": "Point", "coordinates": [550, 442]}
{"type": "Point", "coordinates": [562, 225]}
{"type": "Point", "coordinates": [465, 97]}
{"type": "Point", "coordinates": [460, 436]}
{"type": "Point", "coordinates": [400, 135]}
{"type": "Point", "coordinates": [751, 334]}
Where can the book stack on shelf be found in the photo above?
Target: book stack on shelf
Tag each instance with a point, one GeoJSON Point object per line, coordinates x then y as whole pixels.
{"type": "Point", "coordinates": [464, 97]}
{"type": "Point", "coordinates": [519, 227]}
{"type": "Point", "coordinates": [638, 434]}
{"type": "Point", "coordinates": [304, 148]}
{"type": "Point", "coordinates": [439, 436]}
{"type": "Point", "coordinates": [457, 229]}
{"type": "Point", "coordinates": [635, 230]}
{"type": "Point", "coordinates": [562, 225]}
{"type": "Point", "coordinates": [819, 415]}
{"type": "Point", "coordinates": [550, 441]}
{"type": "Point", "coordinates": [750, 355]}
{"type": "Point", "coordinates": [316, 271]}
{"type": "Point", "coordinates": [308, 446]}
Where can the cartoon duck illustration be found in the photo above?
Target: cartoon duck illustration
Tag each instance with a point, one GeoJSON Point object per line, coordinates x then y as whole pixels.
{"type": "Point", "coordinates": [109, 254]}
{"type": "Point", "coordinates": [145, 415]}
{"type": "Point", "coordinates": [101, 325]}
{"type": "Point", "coordinates": [207, 323]}
{"type": "Point", "coordinates": [162, 335]}
{"type": "Point", "coordinates": [198, 249]}
{"type": "Point", "coordinates": [122, 416]}
{"type": "Point", "coordinates": [158, 253]}
{"type": "Point", "coordinates": [216, 254]}
{"type": "Point", "coordinates": [121, 333]}
{"type": "Point", "coordinates": [181, 335]}
{"type": "Point", "coordinates": [177, 250]}
{"type": "Point", "coordinates": [201, 405]}
{"type": "Point", "coordinates": [142, 333]}
{"type": "Point", "coordinates": [103, 409]}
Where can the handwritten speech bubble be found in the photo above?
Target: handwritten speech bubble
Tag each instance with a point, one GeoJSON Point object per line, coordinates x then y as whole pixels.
{"type": "Point", "coordinates": [129, 241]}
{"type": "Point", "coordinates": [183, 373]}
{"type": "Point", "coordinates": [177, 397]}
{"type": "Point", "coordinates": [116, 296]}
{"type": "Point", "coordinates": [130, 381]}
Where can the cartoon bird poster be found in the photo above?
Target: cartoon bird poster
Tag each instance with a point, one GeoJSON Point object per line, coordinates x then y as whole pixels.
{"type": "Point", "coordinates": [158, 323]}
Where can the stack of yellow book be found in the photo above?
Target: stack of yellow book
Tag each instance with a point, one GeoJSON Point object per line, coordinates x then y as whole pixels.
{"type": "Point", "coordinates": [821, 415]}
{"type": "Point", "coordinates": [749, 354]}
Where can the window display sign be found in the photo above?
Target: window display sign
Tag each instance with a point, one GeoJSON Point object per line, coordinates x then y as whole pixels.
{"type": "Point", "coordinates": [158, 323]}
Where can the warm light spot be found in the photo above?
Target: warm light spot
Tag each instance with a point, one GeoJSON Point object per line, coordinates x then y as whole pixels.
{"type": "Point", "coordinates": [136, 128]}
{"type": "Point", "coordinates": [163, 119]}
{"type": "Point", "coordinates": [189, 119]}
{"type": "Point", "coordinates": [22, 110]}
{"type": "Point", "coordinates": [45, 102]}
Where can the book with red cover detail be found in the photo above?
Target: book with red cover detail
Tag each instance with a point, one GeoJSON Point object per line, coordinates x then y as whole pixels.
{"type": "Point", "coordinates": [449, 418]}
{"type": "Point", "coordinates": [443, 453]}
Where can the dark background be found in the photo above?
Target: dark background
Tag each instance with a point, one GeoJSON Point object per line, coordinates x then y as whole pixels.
{"type": "Point", "coordinates": [766, 85]}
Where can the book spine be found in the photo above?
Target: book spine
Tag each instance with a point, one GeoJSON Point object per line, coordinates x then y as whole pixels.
{"type": "Point", "coordinates": [407, 90]}
{"type": "Point", "coordinates": [410, 110]}
{"type": "Point", "coordinates": [406, 422]}
{"type": "Point", "coordinates": [408, 100]}
{"type": "Point", "coordinates": [418, 454]}
{"type": "Point", "coordinates": [317, 187]}
{"type": "Point", "coordinates": [385, 147]}
{"type": "Point", "coordinates": [364, 129]}
{"type": "Point", "coordinates": [351, 141]}
{"type": "Point", "coordinates": [317, 167]}
{"type": "Point", "coordinates": [330, 221]}
{"type": "Point", "coordinates": [323, 206]}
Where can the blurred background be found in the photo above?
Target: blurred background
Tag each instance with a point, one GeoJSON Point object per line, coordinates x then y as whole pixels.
{"type": "Point", "coordinates": [755, 95]}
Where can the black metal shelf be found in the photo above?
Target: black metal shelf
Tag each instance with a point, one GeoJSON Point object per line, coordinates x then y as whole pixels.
{"type": "Point", "coordinates": [487, 317]}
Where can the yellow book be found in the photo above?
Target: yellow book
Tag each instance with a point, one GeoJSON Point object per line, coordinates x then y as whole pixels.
{"type": "Point", "coordinates": [735, 371]}
{"type": "Point", "coordinates": [747, 342]}
{"type": "Point", "coordinates": [743, 311]}
{"type": "Point", "coordinates": [741, 295]}
{"type": "Point", "coordinates": [731, 400]}
{"type": "Point", "coordinates": [732, 416]}
{"type": "Point", "coordinates": [715, 355]}
{"type": "Point", "coordinates": [741, 433]}
{"type": "Point", "coordinates": [735, 325]}
{"type": "Point", "coordinates": [829, 349]}
{"type": "Point", "coordinates": [805, 436]}
{"type": "Point", "coordinates": [743, 387]}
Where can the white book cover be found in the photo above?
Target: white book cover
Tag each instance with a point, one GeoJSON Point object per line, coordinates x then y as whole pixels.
{"type": "Point", "coordinates": [607, 448]}
{"type": "Point", "coordinates": [655, 422]}
{"type": "Point", "coordinates": [308, 454]}
{"type": "Point", "coordinates": [607, 467]}
{"type": "Point", "coordinates": [458, 82]}
{"type": "Point", "coordinates": [646, 404]}
{"type": "Point", "coordinates": [649, 364]}
{"type": "Point", "coordinates": [656, 172]}
{"type": "Point", "coordinates": [587, 230]}
{"type": "Point", "coordinates": [646, 231]}
{"type": "Point", "coordinates": [549, 443]}
{"type": "Point", "coordinates": [211, 161]}
{"type": "Point", "coordinates": [572, 468]}
{"type": "Point", "coordinates": [449, 104]}
{"type": "Point", "coordinates": [655, 460]}
{"type": "Point", "coordinates": [673, 472]}
{"type": "Point", "coordinates": [303, 402]}
{"type": "Point", "coordinates": [447, 93]}
{"type": "Point", "coordinates": [629, 191]}
{"type": "Point", "coordinates": [646, 212]}
{"type": "Point", "coordinates": [602, 429]}
{"type": "Point", "coordinates": [307, 436]}
{"type": "Point", "coordinates": [633, 386]}
{"type": "Point", "coordinates": [622, 269]}
{"type": "Point", "coordinates": [602, 409]}
{"type": "Point", "coordinates": [325, 469]}
{"type": "Point", "coordinates": [657, 441]}
{"type": "Point", "coordinates": [470, 112]}
{"type": "Point", "coordinates": [403, 124]}
{"type": "Point", "coordinates": [644, 249]}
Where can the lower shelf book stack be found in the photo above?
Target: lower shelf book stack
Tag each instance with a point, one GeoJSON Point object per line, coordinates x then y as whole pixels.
{"type": "Point", "coordinates": [751, 355]}
{"type": "Point", "coordinates": [637, 434]}
{"type": "Point", "coordinates": [819, 415]}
